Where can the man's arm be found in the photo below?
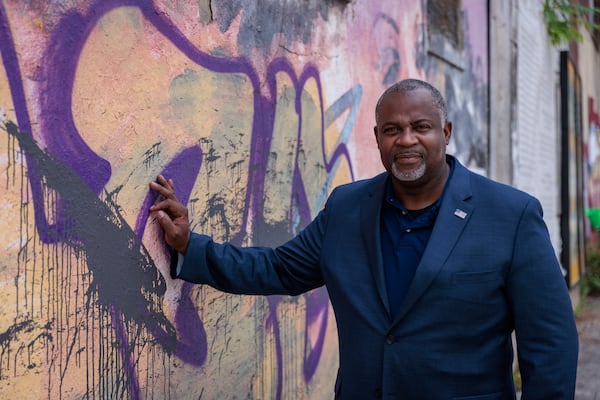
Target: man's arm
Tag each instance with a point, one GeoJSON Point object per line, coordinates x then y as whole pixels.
{"type": "Point", "coordinates": [291, 268]}
{"type": "Point", "coordinates": [547, 341]}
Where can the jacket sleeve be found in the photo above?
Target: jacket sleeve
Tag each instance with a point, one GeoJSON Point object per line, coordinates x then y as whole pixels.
{"type": "Point", "coordinates": [547, 341]}
{"type": "Point", "coordinates": [291, 268]}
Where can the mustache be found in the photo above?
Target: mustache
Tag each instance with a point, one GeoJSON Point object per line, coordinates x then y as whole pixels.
{"type": "Point", "coordinates": [404, 153]}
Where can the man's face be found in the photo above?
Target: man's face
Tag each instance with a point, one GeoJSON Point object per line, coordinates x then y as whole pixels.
{"type": "Point", "coordinates": [412, 137]}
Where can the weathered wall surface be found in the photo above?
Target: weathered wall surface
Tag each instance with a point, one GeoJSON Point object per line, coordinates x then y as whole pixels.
{"type": "Point", "coordinates": [256, 110]}
{"type": "Point", "coordinates": [536, 138]}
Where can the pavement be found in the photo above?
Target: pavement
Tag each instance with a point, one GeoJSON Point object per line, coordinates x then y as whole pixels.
{"type": "Point", "coordinates": [588, 370]}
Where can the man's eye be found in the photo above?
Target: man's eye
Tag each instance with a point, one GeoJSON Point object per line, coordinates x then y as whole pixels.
{"type": "Point", "coordinates": [422, 127]}
{"type": "Point", "coordinates": [390, 130]}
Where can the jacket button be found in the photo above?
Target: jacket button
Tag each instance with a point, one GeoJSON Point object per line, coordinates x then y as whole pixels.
{"type": "Point", "coordinates": [390, 339]}
{"type": "Point", "coordinates": [378, 393]}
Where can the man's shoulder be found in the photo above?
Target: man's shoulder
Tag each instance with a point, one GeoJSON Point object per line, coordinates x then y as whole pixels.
{"type": "Point", "coordinates": [363, 185]}
{"type": "Point", "coordinates": [493, 190]}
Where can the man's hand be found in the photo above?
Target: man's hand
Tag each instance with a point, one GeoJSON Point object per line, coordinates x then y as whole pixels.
{"type": "Point", "coordinates": [171, 215]}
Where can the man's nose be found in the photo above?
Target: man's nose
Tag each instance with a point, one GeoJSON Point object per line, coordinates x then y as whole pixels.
{"type": "Point", "coordinates": [406, 136]}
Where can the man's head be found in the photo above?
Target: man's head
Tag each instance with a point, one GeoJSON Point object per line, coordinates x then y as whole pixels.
{"type": "Point", "coordinates": [412, 133]}
{"type": "Point", "coordinates": [409, 85]}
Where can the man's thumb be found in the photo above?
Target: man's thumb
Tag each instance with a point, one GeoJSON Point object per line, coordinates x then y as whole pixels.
{"type": "Point", "coordinates": [163, 219]}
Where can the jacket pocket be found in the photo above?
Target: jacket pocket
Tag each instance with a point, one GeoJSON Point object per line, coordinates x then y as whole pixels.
{"type": "Point", "coordinates": [478, 287]}
{"type": "Point", "coordinates": [475, 277]}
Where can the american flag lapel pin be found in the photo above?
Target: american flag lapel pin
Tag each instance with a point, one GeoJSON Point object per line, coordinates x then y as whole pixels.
{"type": "Point", "coordinates": [460, 213]}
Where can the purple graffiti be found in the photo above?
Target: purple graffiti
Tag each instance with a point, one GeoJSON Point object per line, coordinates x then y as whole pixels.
{"type": "Point", "coordinates": [137, 295]}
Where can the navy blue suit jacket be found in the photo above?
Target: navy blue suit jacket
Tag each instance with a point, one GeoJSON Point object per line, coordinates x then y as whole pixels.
{"type": "Point", "coordinates": [489, 268]}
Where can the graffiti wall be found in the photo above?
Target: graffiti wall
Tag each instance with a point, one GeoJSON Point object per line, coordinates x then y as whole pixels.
{"type": "Point", "coordinates": [593, 154]}
{"type": "Point", "coordinates": [592, 167]}
{"type": "Point", "coordinates": [256, 110]}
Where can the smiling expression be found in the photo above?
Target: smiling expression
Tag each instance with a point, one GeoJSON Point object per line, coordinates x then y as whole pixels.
{"type": "Point", "coordinates": [412, 136]}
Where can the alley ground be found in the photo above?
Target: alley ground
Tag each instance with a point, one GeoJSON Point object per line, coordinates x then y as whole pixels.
{"type": "Point", "coordinates": [588, 371]}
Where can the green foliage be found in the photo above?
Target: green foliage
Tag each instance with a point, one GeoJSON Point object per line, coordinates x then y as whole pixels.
{"type": "Point", "coordinates": [564, 18]}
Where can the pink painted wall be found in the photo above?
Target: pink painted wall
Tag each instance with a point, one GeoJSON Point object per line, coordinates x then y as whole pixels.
{"type": "Point", "coordinates": [256, 110]}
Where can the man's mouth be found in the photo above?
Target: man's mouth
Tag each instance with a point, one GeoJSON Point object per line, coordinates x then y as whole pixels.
{"type": "Point", "coordinates": [408, 158]}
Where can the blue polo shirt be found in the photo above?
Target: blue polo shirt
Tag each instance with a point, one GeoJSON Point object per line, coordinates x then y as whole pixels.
{"type": "Point", "coordinates": [404, 236]}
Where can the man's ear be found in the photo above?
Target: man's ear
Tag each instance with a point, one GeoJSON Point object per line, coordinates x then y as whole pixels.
{"type": "Point", "coordinates": [376, 136]}
{"type": "Point", "coordinates": [448, 131]}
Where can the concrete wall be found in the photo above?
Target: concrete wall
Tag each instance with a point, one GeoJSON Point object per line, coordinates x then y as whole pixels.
{"type": "Point", "coordinates": [256, 110]}
{"type": "Point", "coordinates": [504, 52]}
{"type": "Point", "coordinates": [536, 138]}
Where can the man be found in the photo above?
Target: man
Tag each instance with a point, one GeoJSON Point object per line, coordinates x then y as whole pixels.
{"type": "Point", "coordinates": [429, 268]}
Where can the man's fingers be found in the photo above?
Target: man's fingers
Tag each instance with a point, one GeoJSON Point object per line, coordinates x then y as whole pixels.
{"type": "Point", "coordinates": [176, 236]}
{"type": "Point", "coordinates": [160, 205]}
{"type": "Point", "coordinates": [157, 187]}
{"type": "Point", "coordinates": [161, 179]}
{"type": "Point", "coordinates": [171, 214]}
{"type": "Point", "coordinates": [165, 221]}
{"type": "Point", "coordinates": [167, 183]}
{"type": "Point", "coordinates": [172, 208]}
{"type": "Point", "coordinates": [163, 187]}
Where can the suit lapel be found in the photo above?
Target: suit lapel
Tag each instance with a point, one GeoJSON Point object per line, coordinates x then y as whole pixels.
{"type": "Point", "coordinates": [453, 216]}
{"type": "Point", "coordinates": [370, 224]}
